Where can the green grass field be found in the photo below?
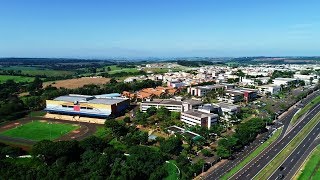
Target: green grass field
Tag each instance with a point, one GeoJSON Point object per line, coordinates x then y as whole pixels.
{"type": "Point", "coordinates": [305, 109]}
{"type": "Point", "coordinates": [4, 78]}
{"type": "Point", "coordinates": [253, 154]}
{"type": "Point", "coordinates": [276, 162]}
{"type": "Point", "coordinates": [311, 169]}
{"type": "Point", "coordinates": [38, 71]}
{"type": "Point", "coordinates": [115, 69]}
{"type": "Point", "coordinates": [172, 171]}
{"type": "Point", "coordinates": [37, 130]}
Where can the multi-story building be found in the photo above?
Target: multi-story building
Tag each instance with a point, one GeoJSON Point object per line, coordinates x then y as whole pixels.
{"type": "Point", "coordinates": [269, 89]}
{"type": "Point", "coordinates": [227, 110]}
{"type": "Point", "coordinates": [195, 117]}
{"type": "Point", "coordinates": [237, 95]}
{"type": "Point", "coordinates": [203, 90]}
{"type": "Point", "coordinates": [170, 104]}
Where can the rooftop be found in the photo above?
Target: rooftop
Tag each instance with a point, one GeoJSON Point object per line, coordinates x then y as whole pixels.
{"type": "Point", "coordinates": [199, 114]}
{"type": "Point", "coordinates": [227, 105]}
{"type": "Point", "coordinates": [285, 79]}
{"type": "Point", "coordinates": [100, 99]}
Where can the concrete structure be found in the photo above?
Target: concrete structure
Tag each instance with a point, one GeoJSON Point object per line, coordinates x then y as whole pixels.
{"type": "Point", "coordinates": [306, 78]}
{"type": "Point", "coordinates": [100, 106]}
{"type": "Point", "coordinates": [232, 96]}
{"type": "Point", "coordinates": [228, 110]}
{"type": "Point", "coordinates": [269, 89]}
{"type": "Point", "coordinates": [283, 81]}
{"type": "Point", "coordinates": [246, 81]}
{"type": "Point", "coordinates": [170, 104]}
{"type": "Point", "coordinates": [203, 90]}
{"type": "Point", "coordinates": [195, 117]}
{"type": "Point", "coordinates": [175, 84]}
{"type": "Point", "coordinates": [237, 95]}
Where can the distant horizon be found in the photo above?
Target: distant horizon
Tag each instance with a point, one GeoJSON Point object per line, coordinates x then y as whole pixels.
{"type": "Point", "coordinates": [155, 57]}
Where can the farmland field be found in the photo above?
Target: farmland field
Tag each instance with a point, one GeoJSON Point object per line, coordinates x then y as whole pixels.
{"type": "Point", "coordinates": [115, 69]}
{"type": "Point", "coordinates": [4, 78]}
{"type": "Point", "coordinates": [38, 71]}
{"type": "Point", "coordinates": [37, 130]}
{"type": "Point", "coordinates": [76, 83]}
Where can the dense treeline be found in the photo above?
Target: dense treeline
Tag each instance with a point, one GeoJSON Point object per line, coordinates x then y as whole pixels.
{"type": "Point", "coordinates": [123, 74]}
{"type": "Point", "coordinates": [197, 63]}
{"type": "Point", "coordinates": [124, 153]}
{"type": "Point", "coordinates": [282, 74]}
{"type": "Point", "coordinates": [245, 133]}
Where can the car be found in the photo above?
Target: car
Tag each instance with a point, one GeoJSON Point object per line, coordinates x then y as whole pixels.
{"type": "Point", "coordinates": [280, 176]}
{"type": "Point", "coordinates": [281, 168]}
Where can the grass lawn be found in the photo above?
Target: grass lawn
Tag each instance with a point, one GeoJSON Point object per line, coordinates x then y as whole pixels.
{"type": "Point", "coordinates": [278, 160]}
{"type": "Point", "coordinates": [37, 113]}
{"type": "Point", "coordinates": [38, 71]}
{"type": "Point", "coordinates": [172, 171]}
{"type": "Point", "coordinates": [305, 109]}
{"type": "Point", "coordinates": [37, 130]}
{"type": "Point", "coordinates": [253, 154]}
{"type": "Point", "coordinates": [4, 78]}
{"type": "Point", "coordinates": [116, 69]}
{"type": "Point", "coordinates": [311, 169]}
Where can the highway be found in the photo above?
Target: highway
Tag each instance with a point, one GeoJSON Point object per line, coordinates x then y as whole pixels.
{"type": "Point", "coordinates": [305, 155]}
{"type": "Point", "coordinates": [286, 118]}
{"type": "Point", "coordinates": [254, 167]}
{"type": "Point", "coordinates": [286, 169]}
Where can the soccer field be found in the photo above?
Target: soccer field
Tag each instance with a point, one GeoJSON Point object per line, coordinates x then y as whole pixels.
{"type": "Point", "coordinates": [37, 130]}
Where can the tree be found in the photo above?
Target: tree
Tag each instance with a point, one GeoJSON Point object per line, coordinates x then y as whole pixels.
{"type": "Point", "coordinates": [227, 143]}
{"type": "Point", "coordinates": [113, 81]}
{"type": "Point", "coordinates": [51, 151]}
{"type": "Point", "coordinates": [127, 119]}
{"type": "Point", "coordinates": [136, 138]}
{"type": "Point", "coordinates": [163, 114]}
{"type": "Point", "coordinates": [173, 146]}
{"type": "Point", "coordinates": [36, 85]}
{"type": "Point", "coordinates": [311, 79]}
{"type": "Point", "coordinates": [93, 143]}
{"type": "Point", "coordinates": [142, 162]}
{"type": "Point", "coordinates": [118, 129]}
{"type": "Point", "coordinates": [159, 173]}
{"type": "Point", "coordinates": [175, 115]}
{"type": "Point", "coordinates": [223, 152]}
{"type": "Point", "coordinates": [151, 110]}
{"type": "Point", "coordinates": [141, 118]}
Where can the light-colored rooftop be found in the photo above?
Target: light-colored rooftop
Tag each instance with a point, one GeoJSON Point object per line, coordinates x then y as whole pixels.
{"type": "Point", "coordinates": [199, 114]}
{"type": "Point", "coordinates": [90, 99]}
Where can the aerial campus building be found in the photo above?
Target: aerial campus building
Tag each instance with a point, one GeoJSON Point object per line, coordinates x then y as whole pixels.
{"type": "Point", "coordinates": [84, 106]}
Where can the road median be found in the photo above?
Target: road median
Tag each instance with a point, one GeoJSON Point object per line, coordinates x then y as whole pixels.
{"type": "Point", "coordinates": [284, 153]}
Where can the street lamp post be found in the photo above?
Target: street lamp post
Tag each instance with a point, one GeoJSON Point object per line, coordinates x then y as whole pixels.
{"type": "Point", "coordinates": [168, 162]}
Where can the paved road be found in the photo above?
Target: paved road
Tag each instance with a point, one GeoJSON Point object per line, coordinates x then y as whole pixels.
{"type": "Point", "coordinates": [286, 118]}
{"type": "Point", "coordinates": [253, 168]}
{"type": "Point", "coordinates": [305, 155]}
{"type": "Point", "coordinates": [293, 162]}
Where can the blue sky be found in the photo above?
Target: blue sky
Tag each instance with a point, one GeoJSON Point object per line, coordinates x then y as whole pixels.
{"type": "Point", "coordinates": [158, 28]}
